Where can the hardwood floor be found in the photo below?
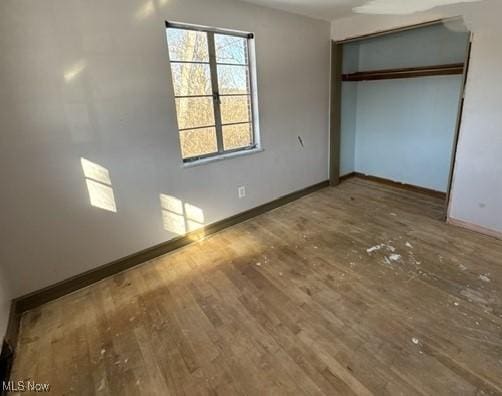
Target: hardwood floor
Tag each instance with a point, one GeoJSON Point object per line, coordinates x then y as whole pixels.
{"type": "Point", "coordinates": [358, 289]}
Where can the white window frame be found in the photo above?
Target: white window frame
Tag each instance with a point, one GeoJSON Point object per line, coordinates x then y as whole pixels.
{"type": "Point", "coordinates": [254, 118]}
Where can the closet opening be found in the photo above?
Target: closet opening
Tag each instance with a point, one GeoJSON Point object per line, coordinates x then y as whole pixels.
{"type": "Point", "coordinates": [396, 105]}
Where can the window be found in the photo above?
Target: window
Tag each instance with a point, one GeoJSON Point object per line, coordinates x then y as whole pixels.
{"type": "Point", "coordinates": [213, 88]}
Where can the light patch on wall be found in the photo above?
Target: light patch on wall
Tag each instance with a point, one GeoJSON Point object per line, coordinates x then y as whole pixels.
{"type": "Point", "coordinates": [400, 7]}
{"type": "Point", "coordinates": [194, 213]}
{"type": "Point", "coordinates": [99, 185]}
{"type": "Point", "coordinates": [75, 70]}
{"type": "Point", "coordinates": [145, 10]}
{"type": "Point", "coordinates": [194, 217]}
{"type": "Point", "coordinates": [172, 214]}
{"type": "Point", "coordinates": [148, 9]}
{"type": "Point", "coordinates": [95, 171]}
{"type": "Point", "coordinates": [178, 217]}
{"type": "Point", "coordinates": [101, 196]}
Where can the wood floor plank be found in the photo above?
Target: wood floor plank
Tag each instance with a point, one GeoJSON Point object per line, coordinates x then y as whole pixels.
{"type": "Point", "coordinates": [359, 289]}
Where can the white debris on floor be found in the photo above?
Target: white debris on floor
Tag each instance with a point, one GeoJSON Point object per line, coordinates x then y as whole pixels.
{"type": "Point", "coordinates": [391, 249]}
{"type": "Point", "coordinates": [409, 245]}
{"type": "Point", "coordinates": [101, 385]}
{"type": "Point", "coordinates": [375, 248]}
{"type": "Point", "coordinates": [484, 278]}
{"type": "Point", "coordinates": [415, 340]}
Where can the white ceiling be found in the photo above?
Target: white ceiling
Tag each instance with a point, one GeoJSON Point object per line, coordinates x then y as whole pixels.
{"type": "Point", "coordinates": [320, 9]}
{"type": "Point", "coordinates": [332, 9]}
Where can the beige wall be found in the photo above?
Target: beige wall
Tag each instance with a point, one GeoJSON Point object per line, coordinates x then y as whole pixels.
{"type": "Point", "coordinates": [5, 297]}
{"type": "Point", "coordinates": [477, 187]}
{"type": "Point", "coordinates": [91, 79]}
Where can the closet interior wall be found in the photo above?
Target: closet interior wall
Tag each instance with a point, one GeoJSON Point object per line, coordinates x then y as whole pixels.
{"type": "Point", "coordinates": [402, 129]}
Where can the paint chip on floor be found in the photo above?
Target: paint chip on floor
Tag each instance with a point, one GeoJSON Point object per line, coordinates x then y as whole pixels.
{"type": "Point", "coordinates": [101, 385]}
{"type": "Point", "coordinates": [375, 248]}
{"type": "Point", "coordinates": [484, 278]}
{"type": "Point", "coordinates": [409, 245]}
{"type": "Point", "coordinates": [415, 340]}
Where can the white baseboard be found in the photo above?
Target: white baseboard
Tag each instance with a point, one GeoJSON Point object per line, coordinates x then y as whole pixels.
{"type": "Point", "coordinates": [475, 228]}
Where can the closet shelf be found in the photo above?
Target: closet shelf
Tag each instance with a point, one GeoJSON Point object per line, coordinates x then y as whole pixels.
{"type": "Point", "coordinates": [408, 72]}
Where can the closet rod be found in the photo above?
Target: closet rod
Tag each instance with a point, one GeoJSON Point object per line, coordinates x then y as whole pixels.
{"type": "Point", "coordinates": [408, 72]}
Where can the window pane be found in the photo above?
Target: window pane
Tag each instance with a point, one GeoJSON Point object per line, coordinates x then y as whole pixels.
{"type": "Point", "coordinates": [187, 45]}
{"type": "Point", "coordinates": [233, 79]}
{"type": "Point", "coordinates": [230, 49]}
{"type": "Point", "coordinates": [191, 79]}
{"type": "Point", "coordinates": [194, 112]}
{"type": "Point", "coordinates": [235, 136]}
{"type": "Point", "coordinates": [197, 142]}
{"type": "Point", "coordinates": [235, 109]}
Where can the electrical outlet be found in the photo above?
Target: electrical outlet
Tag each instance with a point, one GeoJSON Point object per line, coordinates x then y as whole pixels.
{"type": "Point", "coordinates": [241, 191]}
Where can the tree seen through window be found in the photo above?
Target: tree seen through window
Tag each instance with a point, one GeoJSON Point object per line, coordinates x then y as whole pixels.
{"type": "Point", "coordinates": [211, 79]}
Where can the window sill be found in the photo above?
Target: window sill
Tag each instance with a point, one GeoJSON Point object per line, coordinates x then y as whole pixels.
{"type": "Point", "coordinates": [221, 157]}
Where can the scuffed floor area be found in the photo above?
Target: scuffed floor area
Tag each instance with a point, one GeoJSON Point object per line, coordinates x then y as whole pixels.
{"type": "Point", "coordinates": [358, 289]}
